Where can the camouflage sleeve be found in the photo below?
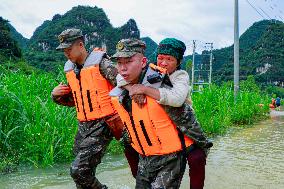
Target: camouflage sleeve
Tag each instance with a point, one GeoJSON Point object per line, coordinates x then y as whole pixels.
{"type": "Point", "coordinates": [65, 100]}
{"type": "Point", "coordinates": [185, 119]}
{"type": "Point", "coordinates": [108, 70]}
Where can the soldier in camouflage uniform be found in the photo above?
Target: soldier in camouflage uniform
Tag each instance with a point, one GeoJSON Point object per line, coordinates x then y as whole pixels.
{"type": "Point", "coordinates": [173, 99]}
{"type": "Point", "coordinates": [154, 171]}
{"type": "Point", "coordinates": [94, 135]}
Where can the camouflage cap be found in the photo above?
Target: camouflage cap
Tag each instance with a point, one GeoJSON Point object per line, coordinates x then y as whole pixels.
{"type": "Point", "coordinates": [129, 47]}
{"type": "Point", "coordinates": [67, 37]}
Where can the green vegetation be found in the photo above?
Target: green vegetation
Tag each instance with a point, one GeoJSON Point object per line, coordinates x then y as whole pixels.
{"type": "Point", "coordinates": [19, 66]}
{"type": "Point", "coordinates": [33, 128]}
{"type": "Point", "coordinates": [8, 46]}
{"type": "Point", "coordinates": [275, 91]}
{"type": "Point", "coordinates": [47, 61]}
{"type": "Point", "coordinates": [22, 42]}
{"type": "Point", "coordinates": [216, 110]}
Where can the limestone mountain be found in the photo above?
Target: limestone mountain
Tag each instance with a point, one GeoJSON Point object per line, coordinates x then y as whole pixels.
{"type": "Point", "coordinates": [91, 20]}
{"type": "Point", "coordinates": [151, 47]}
{"type": "Point", "coordinates": [95, 25]}
{"type": "Point", "coordinates": [261, 54]}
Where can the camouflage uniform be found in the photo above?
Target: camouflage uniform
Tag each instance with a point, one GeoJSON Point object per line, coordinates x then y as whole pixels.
{"type": "Point", "coordinates": [93, 136]}
{"type": "Point", "coordinates": [164, 171]}
{"type": "Point", "coordinates": [158, 171]}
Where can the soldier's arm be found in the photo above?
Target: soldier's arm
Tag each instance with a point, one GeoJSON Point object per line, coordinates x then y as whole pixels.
{"type": "Point", "coordinates": [140, 89]}
{"type": "Point", "coordinates": [185, 119]}
{"type": "Point", "coordinates": [108, 70]}
{"type": "Point", "coordinates": [62, 95]}
{"type": "Point", "coordinates": [172, 96]}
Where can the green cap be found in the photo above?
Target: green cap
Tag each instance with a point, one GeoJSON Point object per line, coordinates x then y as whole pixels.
{"type": "Point", "coordinates": [173, 47]}
{"type": "Point", "coordinates": [67, 37]}
{"type": "Point", "coordinates": [128, 47]}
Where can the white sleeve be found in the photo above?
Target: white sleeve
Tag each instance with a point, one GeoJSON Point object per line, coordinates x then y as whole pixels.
{"type": "Point", "coordinates": [176, 95]}
{"type": "Point", "coordinates": [120, 81]}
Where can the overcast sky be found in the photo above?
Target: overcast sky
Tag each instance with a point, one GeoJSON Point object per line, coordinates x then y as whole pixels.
{"type": "Point", "coordinates": [202, 20]}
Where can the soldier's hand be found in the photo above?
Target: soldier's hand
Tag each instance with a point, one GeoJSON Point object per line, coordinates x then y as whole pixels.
{"type": "Point", "coordinates": [136, 89]}
{"type": "Point", "coordinates": [61, 90]}
{"type": "Point", "coordinates": [140, 99]}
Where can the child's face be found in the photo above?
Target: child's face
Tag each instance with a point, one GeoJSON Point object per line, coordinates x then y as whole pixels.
{"type": "Point", "coordinates": [167, 61]}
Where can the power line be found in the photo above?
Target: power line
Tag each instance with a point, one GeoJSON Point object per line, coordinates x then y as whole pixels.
{"type": "Point", "coordinates": [265, 13]}
{"type": "Point", "coordinates": [255, 9]}
{"type": "Point", "coordinates": [274, 8]}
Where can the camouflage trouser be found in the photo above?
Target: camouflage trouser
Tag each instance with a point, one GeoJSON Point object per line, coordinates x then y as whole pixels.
{"type": "Point", "coordinates": [164, 171]}
{"type": "Point", "coordinates": [90, 145]}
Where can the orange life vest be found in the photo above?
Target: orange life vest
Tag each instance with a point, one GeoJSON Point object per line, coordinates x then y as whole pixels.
{"type": "Point", "coordinates": [90, 90]}
{"type": "Point", "coordinates": [151, 130]}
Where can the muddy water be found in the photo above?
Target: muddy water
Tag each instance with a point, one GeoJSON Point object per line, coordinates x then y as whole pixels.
{"type": "Point", "coordinates": [246, 158]}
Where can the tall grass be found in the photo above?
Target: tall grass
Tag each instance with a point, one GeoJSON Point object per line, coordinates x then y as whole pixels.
{"type": "Point", "coordinates": [32, 127]}
{"type": "Point", "coordinates": [216, 110]}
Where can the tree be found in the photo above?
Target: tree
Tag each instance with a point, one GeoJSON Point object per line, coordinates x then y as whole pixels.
{"type": "Point", "coordinates": [188, 65]}
{"type": "Point", "coordinates": [8, 46]}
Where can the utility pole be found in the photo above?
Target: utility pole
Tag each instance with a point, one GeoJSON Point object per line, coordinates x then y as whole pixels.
{"type": "Point", "coordinates": [211, 59]}
{"type": "Point", "coordinates": [192, 68]}
{"type": "Point", "coordinates": [236, 49]}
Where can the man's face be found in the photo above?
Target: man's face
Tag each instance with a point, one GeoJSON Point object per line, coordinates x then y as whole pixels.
{"type": "Point", "coordinates": [131, 68]}
{"type": "Point", "coordinates": [167, 61]}
{"type": "Point", "coordinates": [73, 53]}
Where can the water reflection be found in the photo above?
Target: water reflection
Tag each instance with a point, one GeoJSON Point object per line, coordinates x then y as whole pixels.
{"type": "Point", "coordinates": [249, 158]}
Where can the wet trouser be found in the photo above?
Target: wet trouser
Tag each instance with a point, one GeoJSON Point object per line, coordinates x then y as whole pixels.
{"type": "Point", "coordinates": [90, 145]}
{"type": "Point", "coordinates": [196, 162]}
{"type": "Point", "coordinates": [160, 172]}
{"type": "Point", "coordinates": [196, 159]}
{"type": "Point", "coordinates": [132, 157]}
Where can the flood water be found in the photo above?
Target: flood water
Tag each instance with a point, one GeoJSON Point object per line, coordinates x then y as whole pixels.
{"type": "Point", "coordinates": [245, 158]}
